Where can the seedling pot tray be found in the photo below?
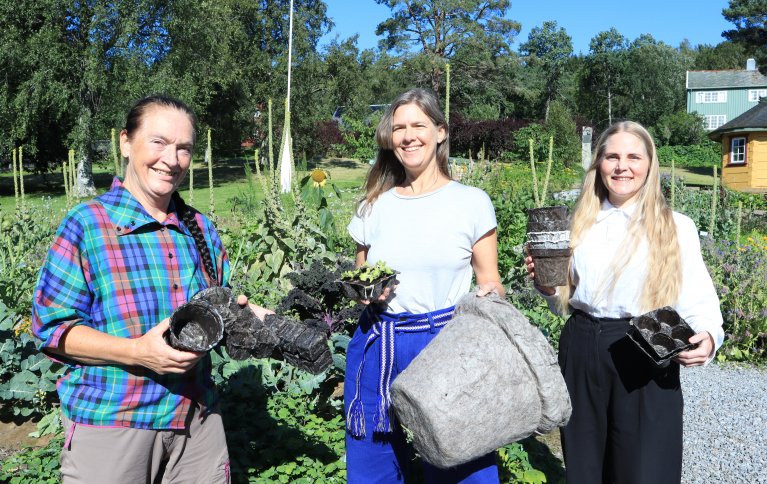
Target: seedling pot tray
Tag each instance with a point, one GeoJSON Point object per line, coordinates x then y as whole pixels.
{"type": "Point", "coordinates": [661, 334]}
{"type": "Point", "coordinates": [363, 290]}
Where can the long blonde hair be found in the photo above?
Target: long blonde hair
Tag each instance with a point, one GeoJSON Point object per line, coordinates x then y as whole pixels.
{"type": "Point", "coordinates": [652, 220]}
{"type": "Point", "coordinates": [387, 172]}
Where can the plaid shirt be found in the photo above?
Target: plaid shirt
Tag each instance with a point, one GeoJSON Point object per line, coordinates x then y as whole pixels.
{"type": "Point", "coordinates": [114, 268]}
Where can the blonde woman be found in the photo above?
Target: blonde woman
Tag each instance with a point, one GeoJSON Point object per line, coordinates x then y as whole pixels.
{"type": "Point", "coordinates": [437, 233]}
{"type": "Point", "coordinates": [631, 254]}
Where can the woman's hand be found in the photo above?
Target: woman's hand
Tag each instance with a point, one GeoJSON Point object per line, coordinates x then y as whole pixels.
{"type": "Point", "coordinates": [260, 312]}
{"type": "Point", "coordinates": [700, 355]}
{"type": "Point", "coordinates": [493, 287]}
{"type": "Point", "coordinates": [530, 266]}
{"type": "Point", "coordinates": [153, 352]}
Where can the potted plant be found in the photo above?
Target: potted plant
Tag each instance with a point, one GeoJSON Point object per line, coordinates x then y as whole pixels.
{"type": "Point", "coordinates": [368, 282]}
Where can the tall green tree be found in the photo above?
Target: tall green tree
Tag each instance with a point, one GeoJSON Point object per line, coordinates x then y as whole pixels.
{"type": "Point", "coordinates": [725, 55]}
{"type": "Point", "coordinates": [750, 19]}
{"type": "Point", "coordinates": [440, 27]}
{"type": "Point", "coordinates": [602, 74]}
{"type": "Point", "coordinates": [656, 83]}
{"type": "Point", "coordinates": [548, 48]}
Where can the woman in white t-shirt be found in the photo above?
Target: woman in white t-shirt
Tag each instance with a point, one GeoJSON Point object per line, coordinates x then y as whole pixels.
{"type": "Point", "coordinates": [436, 233]}
{"type": "Point", "coordinates": [631, 254]}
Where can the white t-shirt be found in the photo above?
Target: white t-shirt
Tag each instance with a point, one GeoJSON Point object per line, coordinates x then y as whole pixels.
{"type": "Point", "coordinates": [427, 238]}
{"type": "Point", "coordinates": [698, 302]}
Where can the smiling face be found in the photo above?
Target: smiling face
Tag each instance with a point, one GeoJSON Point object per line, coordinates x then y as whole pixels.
{"type": "Point", "coordinates": [624, 167]}
{"type": "Point", "coordinates": [415, 138]}
{"type": "Point", "coordinates": [159, 153]}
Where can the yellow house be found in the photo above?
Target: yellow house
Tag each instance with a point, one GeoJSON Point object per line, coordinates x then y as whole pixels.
{"type": "Point", "coordinates": [744, 150]}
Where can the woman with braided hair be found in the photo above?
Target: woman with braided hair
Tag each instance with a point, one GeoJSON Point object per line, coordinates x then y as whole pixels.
{"type": "Point", "coordinates": [135, 409]}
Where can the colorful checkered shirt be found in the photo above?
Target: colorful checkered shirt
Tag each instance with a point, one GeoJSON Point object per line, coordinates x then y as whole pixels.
{"type": "Point", "coordinates": [116, 269]}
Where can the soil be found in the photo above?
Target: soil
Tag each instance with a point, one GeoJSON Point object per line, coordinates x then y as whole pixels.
{"type": "Point", "coordinates": [14, 436]}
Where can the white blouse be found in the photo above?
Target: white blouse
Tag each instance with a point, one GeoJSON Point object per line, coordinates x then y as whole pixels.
{"type": "Point", "coordinates": [698, 302]}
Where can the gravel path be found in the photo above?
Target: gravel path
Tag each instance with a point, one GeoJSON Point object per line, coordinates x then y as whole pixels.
{"type": "Point", "coordinates": [725, 424]}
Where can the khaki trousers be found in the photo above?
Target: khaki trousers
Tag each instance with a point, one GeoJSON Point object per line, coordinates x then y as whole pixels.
{"type": "Point", "coordinates": [96, 455]}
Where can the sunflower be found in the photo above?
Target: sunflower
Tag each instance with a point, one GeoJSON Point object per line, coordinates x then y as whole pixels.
{"type": "Point", "coordinates": [319, 177]}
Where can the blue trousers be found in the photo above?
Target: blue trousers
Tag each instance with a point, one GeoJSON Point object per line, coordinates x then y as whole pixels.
{"type": "Point", "coordinates": [386, 457]}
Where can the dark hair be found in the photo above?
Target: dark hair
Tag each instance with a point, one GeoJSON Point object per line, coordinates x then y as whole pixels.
{"type": "Point", "coordinates": [186, 214]}
{"type": "Point", "coordinates": [137, 112]}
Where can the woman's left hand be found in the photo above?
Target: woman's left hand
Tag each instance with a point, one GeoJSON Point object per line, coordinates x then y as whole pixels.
{"type": "Point", "coordinates": [494, 287]}
{"type": "Point", "coordinates": [260, 312]}
{"type": "Point", "coordinates": [700, 355]}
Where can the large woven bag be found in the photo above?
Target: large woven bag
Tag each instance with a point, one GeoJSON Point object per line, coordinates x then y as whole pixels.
{"type": "Point", "coordinates": [487, 379]}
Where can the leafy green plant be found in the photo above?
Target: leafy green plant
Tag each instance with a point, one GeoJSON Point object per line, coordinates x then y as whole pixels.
{"type": "Point", "coordinates": [515, 463]}
{"type": "Point", "coordinates": [368, 273]}
{"type": "Point", "coordinates": [27, 376]}
{"type": "Point", "coordinates": [313, 194]}
{"type": "Point", "coordinates": [39, 465]}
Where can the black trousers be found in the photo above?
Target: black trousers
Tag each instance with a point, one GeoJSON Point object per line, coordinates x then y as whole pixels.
{"type": "Point", "coordinates": [626, 425]}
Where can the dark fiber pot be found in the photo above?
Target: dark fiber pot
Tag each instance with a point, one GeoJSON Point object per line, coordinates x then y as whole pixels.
{"type": "Point", "coordinates": [547, 219]}
{"type": "Point", "coordinates": [548, 243]}
{"type": "Point", "coordinates": [195, 326]}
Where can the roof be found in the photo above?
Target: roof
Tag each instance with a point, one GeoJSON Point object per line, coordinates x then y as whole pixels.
{"type": "Point", "coordinates": [725, 79]}
{"type": "Point", "coordinates": [755, 119]}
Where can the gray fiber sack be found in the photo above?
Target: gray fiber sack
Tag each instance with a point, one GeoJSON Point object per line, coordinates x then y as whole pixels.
{"type": "Point", "coordinates": [487, 379]}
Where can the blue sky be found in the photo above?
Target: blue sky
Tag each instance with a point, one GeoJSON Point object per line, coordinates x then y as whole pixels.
{"type": "Point", "coordinates": [699, 21]}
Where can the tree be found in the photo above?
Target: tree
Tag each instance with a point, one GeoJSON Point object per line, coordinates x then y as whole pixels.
{"type": "Point", "coordinates": [440, 27]}
{"type": "Point", "coordinates": [657, 81]}
{"type": "Point", "coordinates": [549, 48]}
{"type": "Point", "coordinates": [726, 55]}
{"type": "Point", "coordinates": [750, 19]}
{"type": "Point", "coordinates": [603, 71]}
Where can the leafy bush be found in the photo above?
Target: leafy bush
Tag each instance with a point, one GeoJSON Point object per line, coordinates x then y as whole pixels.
{"type": "Point", "coordinates": [327, 135]}
{"type": "Point", "coordinates": [705, 154]}
{"type": "Point", "coordinates": [359, 137]}
{"type": "Point", "coordinates": [39, 465]}
{"type": "Point", "coordinates": [493, 136]}
{"type": "Point", "coordinates": [739, 273]}
{"type": "Point", "coordinates": [24, 241]}
{"type": "Point", "coordinates": [679, 129]}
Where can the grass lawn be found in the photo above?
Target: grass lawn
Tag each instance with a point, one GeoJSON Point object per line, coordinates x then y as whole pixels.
{"type": "Point", "coordinates": [693, 176]}
{"type": "Point", "coordinates": [229, 181]}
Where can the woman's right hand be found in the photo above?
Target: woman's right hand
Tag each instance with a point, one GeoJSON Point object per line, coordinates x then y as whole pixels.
{"type": "Point", "coordinates": [153, 352]}
{"type": "Point", "coordinates": [530, 266]}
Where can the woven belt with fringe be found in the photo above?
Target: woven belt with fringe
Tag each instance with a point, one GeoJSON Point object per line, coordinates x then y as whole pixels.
{"type": "Point", "coordinates": [387, 325]}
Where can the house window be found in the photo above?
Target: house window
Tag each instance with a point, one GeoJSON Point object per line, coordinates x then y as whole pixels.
{"type": "Point", "coordinates": [738, 151]}
{"type": "Point", "coordinates": [713, 121]}
{"type": "Point", "coordinates": [706, 97]}
{"type": "Point", "coordinates": [755, 94]}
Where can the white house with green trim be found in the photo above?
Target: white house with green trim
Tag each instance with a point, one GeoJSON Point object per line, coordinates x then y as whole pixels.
{"type": "Point", "coordinates": [720, 96]}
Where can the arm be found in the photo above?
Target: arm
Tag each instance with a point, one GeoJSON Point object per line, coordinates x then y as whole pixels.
{"type": "Point", "coordinates": [484, 261]}
{"type": "Point", "coordinates": [93, 347]}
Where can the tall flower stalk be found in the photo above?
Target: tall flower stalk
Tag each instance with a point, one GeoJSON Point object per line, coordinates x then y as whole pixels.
{"type": "Point", "coordinates": [15, 180]}
{"type": "Point", "coordinates": [209, 157]}
{"type": "Point", "coordinates": [21, 174]}
{"type": "Point", "coordinates": [714, 196]}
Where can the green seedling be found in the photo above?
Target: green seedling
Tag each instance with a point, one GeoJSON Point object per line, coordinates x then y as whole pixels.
{"type": "Point", "coordinates": [368, 273]}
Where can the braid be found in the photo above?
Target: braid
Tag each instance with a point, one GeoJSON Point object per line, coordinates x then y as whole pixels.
{"type": "Point", "coordinates": [188, 216]}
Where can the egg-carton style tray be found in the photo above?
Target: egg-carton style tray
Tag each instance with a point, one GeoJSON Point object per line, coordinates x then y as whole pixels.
{"type": "Point", "coordinates": [661, 334]}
